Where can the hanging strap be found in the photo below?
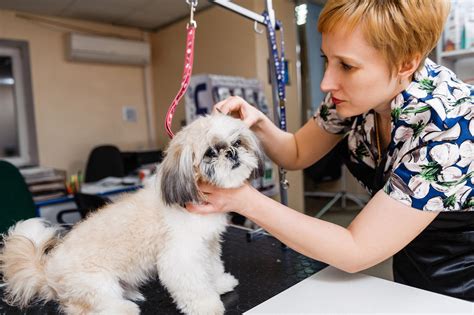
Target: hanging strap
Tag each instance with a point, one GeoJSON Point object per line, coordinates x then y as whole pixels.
{"type": "Point", "coordinates": [279, 62]}
{"type": "Point", "coordinates": [188, 68]}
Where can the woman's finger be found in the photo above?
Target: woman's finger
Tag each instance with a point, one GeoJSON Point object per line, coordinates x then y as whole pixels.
{"type": "Point", "coordinates": [205, 188]}
{"type": "Point", "coordinates": [223, 106]}
{"type": "Point", "coordinates": [218, 107]}
{"type": "Point", "coordinates": [205, 208]}
{"type": "Point", "coordinates": [231, 104]}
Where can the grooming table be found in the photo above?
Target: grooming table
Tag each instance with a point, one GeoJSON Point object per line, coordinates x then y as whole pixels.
{"type": "Point", "coordinates": [262, 267]}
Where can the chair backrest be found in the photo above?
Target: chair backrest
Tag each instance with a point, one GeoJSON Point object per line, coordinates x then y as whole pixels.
{"type": "Point", "coordinates": [16, 201]}
{"type": "Point", "coordinates": [104, 161]}
{"type": "Point", "coordinates": [329, 167]}
{"type": "Point", "coordinates": [87, 203]}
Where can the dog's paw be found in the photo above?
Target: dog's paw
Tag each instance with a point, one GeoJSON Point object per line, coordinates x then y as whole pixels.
{"type": "Point", "coordinates": [209, 305]}
{"type": "Point", "coordinates": [226, 283]}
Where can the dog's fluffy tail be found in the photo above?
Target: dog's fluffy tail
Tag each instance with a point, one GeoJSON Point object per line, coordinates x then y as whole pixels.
{"type": "Point", "coordinates": [22, 261]}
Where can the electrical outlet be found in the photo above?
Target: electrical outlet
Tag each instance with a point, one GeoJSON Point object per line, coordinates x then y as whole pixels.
{"type": "Point", "coordinates": [129, 114]}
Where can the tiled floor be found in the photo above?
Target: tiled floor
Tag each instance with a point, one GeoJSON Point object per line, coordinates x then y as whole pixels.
{"type": "Point", "coordinates": [343, 217]}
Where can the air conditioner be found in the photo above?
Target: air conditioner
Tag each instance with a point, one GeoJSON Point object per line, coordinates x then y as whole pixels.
{"type": "Point", "coordinates": [81, 47]}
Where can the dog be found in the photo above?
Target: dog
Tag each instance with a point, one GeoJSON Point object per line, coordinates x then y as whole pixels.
{"type": "Point", "coordinates": [98, 266]}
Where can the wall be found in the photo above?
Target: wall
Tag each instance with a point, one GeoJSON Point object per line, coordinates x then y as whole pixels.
{"type": "Point", "coordinates": [225, 44]}
{"type": "Point", "coordinates": [78, 105]}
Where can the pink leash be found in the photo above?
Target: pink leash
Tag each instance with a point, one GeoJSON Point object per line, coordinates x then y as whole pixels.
{"type": "Point", "coordinates": [188, 69]}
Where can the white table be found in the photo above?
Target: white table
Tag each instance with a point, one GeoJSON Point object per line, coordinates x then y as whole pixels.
{"type": "Point", "coordinates": [332, 291]}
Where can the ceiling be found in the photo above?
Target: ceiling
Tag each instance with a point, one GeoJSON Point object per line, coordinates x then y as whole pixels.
{"type": "Point", "coordinates": [144, 14]}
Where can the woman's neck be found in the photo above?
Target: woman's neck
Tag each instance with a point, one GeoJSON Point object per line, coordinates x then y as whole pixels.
{"type": "Point", "coordinates": [385, 111]}
{"type": "Point", "coordinates": [383, 128]}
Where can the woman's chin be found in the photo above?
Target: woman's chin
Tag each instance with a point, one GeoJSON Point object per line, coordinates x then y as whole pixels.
{"type": "Point", "coordinates": [344, 111]}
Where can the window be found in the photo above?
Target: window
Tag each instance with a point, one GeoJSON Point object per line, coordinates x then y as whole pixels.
{"type": "Point", "coordinates": [17, 123]}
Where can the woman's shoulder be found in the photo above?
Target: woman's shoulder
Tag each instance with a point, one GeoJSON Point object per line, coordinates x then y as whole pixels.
{"type": "Point", "coordinates": [435, 102]}
{"type": "Point", "coordinates": [434, 132]}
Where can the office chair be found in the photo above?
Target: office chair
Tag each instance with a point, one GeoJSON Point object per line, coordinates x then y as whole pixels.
{"type": "Point", "coordinates": [16, 201]}
{"type": "Point", "coordinates": [104, 161]}
{"type": "Point", "coordinates": [330, 168]}
{"type": "Point", "coordinates": [86, 203]}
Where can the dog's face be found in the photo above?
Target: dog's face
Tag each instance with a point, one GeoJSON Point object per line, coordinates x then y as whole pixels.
{"type": "Point", "coordinates": [216, 149]}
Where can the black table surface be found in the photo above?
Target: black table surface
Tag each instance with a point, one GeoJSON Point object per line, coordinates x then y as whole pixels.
{"type": "Point", "coordinates": [263, 267]}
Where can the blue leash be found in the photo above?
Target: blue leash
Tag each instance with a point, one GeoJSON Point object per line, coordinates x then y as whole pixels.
{"type": "Point", "coordinates": [279, 62]}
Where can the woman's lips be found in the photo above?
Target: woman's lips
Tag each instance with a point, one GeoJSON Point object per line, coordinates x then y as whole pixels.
{"type": "Point", "coordinates": [336, 101]}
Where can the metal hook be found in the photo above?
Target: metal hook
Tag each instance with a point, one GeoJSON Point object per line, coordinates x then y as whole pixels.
{"type": "Point", "coordinates": [255, 28]}
{"type": "Point", "coordinates": [192, 4]}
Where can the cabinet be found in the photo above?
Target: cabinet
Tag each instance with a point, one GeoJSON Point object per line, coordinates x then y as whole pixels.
{"type": "Point", "coordinates": [458, 34]}
{"type": "Point", "coordinates": [460, 61]}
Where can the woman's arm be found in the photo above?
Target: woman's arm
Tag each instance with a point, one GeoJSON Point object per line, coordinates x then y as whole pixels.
{"type": "Point", "coordinates": [380, 230]}
{"type": "Point", "coordinates": [291, 151]}
{"type": "Point", "coordinates": [295, 151]}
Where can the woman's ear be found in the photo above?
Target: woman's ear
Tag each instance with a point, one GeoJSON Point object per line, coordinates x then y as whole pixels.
{"type": "Point", "coordinates": [178, 183]}
{"type": "Point", "coordinates": [409, 67]}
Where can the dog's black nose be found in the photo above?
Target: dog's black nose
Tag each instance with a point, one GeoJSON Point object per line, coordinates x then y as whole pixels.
{"type": "Point", "coordinates": [232, 155]}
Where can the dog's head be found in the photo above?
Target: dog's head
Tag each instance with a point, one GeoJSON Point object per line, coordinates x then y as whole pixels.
{"type": "Point", "coordinates": [216, 149]}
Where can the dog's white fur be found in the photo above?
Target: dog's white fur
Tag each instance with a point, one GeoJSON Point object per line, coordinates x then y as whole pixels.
{"type": "Point", "coordinates": [99, 265]}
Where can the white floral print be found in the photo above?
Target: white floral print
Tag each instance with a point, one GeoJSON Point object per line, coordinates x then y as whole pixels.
{"type": "Point", "coordinates": [430, 160]}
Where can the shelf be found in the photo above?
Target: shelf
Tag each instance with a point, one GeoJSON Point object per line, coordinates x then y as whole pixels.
{"type": "Point", "coordinates": [457, 54]}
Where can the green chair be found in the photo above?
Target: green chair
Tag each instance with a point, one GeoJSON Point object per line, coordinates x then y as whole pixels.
{"type": "Point", "coordinates": [16, 201]}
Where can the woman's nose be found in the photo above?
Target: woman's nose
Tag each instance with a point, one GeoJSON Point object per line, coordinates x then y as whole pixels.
{"type": "Point", "coordinates": [329, 82]}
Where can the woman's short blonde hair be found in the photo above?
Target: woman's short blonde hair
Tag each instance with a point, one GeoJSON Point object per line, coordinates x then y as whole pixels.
{"type": "Point", "coordinates": [400, 29]}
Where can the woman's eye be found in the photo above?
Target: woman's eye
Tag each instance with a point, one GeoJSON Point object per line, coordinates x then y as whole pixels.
{"type": "Point", "coordinates": [210, 153]}
{"type": "Point", "coordinates": [346, 67]}
{"type": "Point", "coordinates": [325, 59]}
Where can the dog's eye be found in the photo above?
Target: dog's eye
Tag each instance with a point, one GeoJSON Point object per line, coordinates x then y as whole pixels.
{"type": "Point", "coordinates": [237, 143]}
{"type": "Point", "coordinates": [210, 153]}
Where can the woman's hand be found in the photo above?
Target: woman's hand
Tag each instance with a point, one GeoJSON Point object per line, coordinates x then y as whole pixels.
{"type": "Point", "coordinates": [219, 200]}
{"type": "Point", "coordinates": [239, 108]}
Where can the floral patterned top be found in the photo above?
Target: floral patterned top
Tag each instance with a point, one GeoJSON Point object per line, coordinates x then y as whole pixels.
{"type": "Point", "coordinates": [429, 163]}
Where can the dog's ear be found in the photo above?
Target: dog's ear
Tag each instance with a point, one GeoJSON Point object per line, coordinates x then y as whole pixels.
{"type": "Point", "coordinates": [259, 171]}
{"type": "Point", "coordinates": [178, 183]}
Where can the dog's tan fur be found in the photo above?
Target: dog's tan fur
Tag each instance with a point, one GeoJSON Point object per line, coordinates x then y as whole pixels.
{"type": "Point", "coordinates": [98, 267]}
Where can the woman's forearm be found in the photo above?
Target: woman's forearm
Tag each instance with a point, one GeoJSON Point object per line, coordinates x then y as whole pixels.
{"type": "Point", "coordinates": [382, 228]}
{"type": "Point", "coordinates": [280, 146]}
{"type": "Point", "coordinates": [312, 237]}
{"type": "Point", "coordinates": [295, 151]}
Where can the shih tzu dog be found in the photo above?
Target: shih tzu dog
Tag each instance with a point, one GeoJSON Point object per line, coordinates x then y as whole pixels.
{"type": "Point", "coordinates": [98, 266]}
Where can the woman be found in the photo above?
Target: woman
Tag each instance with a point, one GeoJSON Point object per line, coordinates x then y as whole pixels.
{"type": "Point", "coordinates": [407, 126]}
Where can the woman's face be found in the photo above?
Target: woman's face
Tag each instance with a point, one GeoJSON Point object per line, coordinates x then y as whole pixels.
{"type": "Point", "coordinates": [356, 74]}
